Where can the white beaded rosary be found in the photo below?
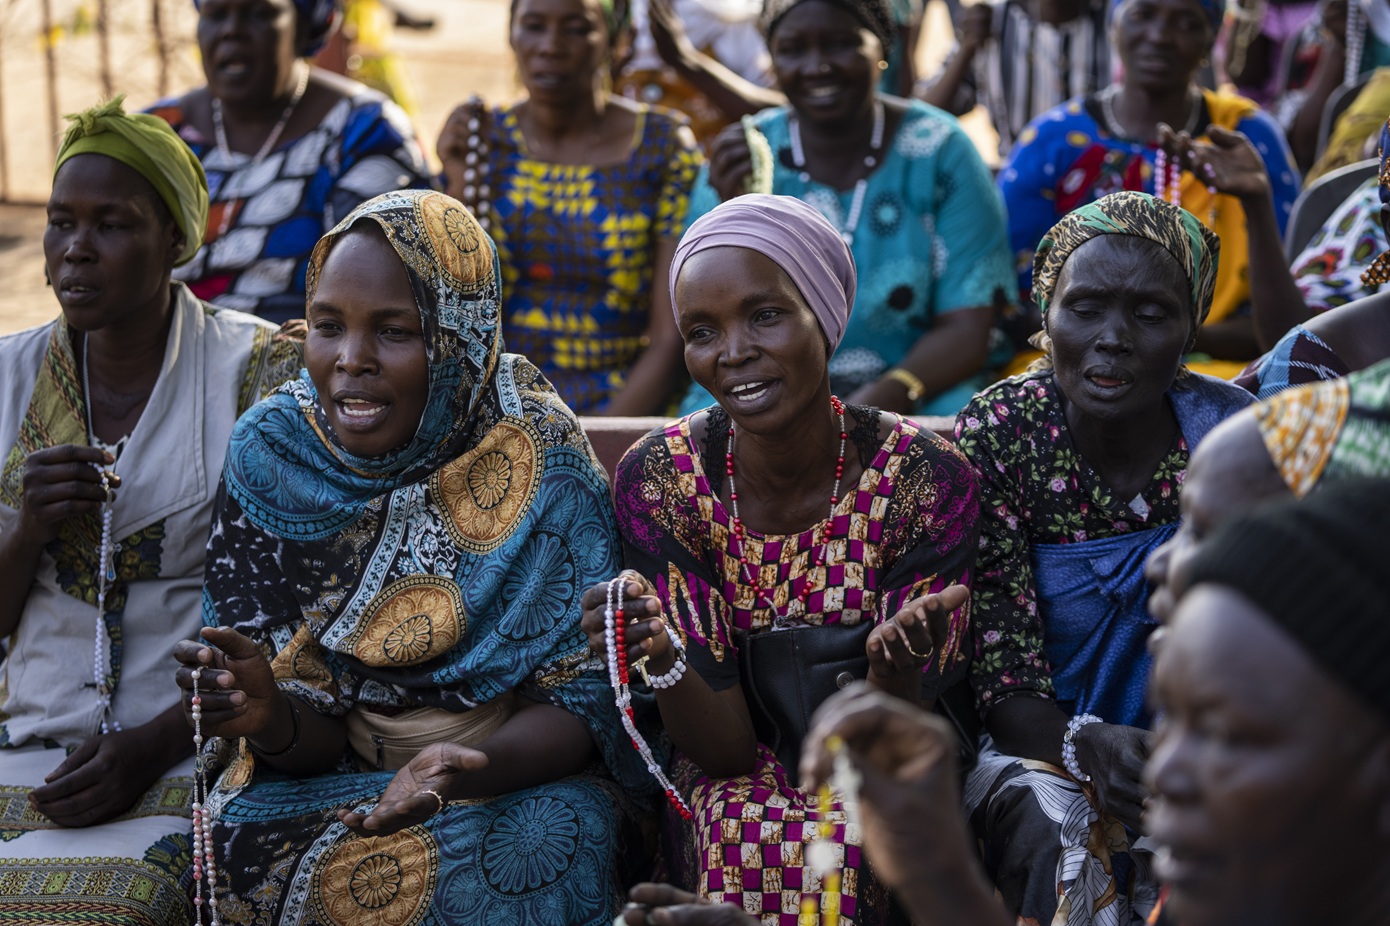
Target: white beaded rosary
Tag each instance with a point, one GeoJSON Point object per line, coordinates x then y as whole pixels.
{"type": "Point", "coordinates": [476, 191]}
{"type": "Point", "coordinates": [614, 637]}
{"type": "Point", "coordinates": [1069, 745]}
{"type": "Point", "coordinates": [106, 570]}
{"type": "Point", "coordinates": [204, 865]}
{"type": "Point", "coordinates": [1167, 183]}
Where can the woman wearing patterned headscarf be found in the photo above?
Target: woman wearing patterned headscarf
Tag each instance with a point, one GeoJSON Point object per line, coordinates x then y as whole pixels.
{"type": "Point", "coordinates": [1109, 141]}
{"type": "Point", "coordinates": [906, 189]}
{"type": "Point", "coordinates": [138, 379]}
{"type": "Point", "coordinates": [780, 508]}
{"type": "Point", "coordinates": [392, 612]}
{"type": "Point", "coordinates": [1081, 463]}
{"type": "Point", "coordinates": [289, 149]}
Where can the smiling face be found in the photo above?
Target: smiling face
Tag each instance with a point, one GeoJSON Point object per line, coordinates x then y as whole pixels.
{"type": "Point", "coordinates": [365, 350]}
{"type": "Point", "coordinates": [1268, 777]}
{"type": "Point", "coordinates": [559, 46]}
{"type": "Point", "coordinates": [110, 243]}
{"type": "Point", "coordinates": [1119, 321]}
{"type": "Point", "coordinates": [751, 339]}
{"type": "Point", "coordinates": [826, 62]}
{"type": "Point", "coordinates": [1230, 472]}
{"type": "Point", "coordinates": [249, 49]}
{"type": "Point", "coordinates": [1161, 42]}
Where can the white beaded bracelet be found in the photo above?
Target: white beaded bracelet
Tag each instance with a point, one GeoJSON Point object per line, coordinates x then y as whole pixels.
{"type": "Point", "coordinates": [1069, 745]}
{"type": "Point", "coordinates": [674, 674]}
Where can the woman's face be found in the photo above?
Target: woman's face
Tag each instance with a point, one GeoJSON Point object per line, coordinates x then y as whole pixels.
{"type": "Point", "coordinates": [1161, 42]}
{"type": "Point", "coordinates": [1230, 473]}
{"type": "Point", "coordinates": [559, 46]}
{"type": "Point", "coordinates": [248, 48]}
{"type": "Point", "coordinates": [826, 62]}
{"type": "Point", "coordinates": [365, 350]}
{"type": "Point", "coordinates": [109, 244]}
{"type": "Point", "coordinates": [1266, 775]}
{"type": "Point", "coordinates": [750, 338]}
{"type": "Point", "coordinates": [1119, 323]}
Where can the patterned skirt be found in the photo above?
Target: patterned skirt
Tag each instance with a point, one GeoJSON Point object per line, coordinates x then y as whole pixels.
{"type": "Point", "coordinates": [745, 842]}
{"type": "Point", "coordinates": [135, 870]}
{"type": "Point", "coordinates": [553, 855]}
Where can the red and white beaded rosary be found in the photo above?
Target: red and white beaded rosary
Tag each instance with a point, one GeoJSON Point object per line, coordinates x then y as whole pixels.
{"type": "Point", "coordinates": [818, 557]}
{"type": "Point", "coordinates": [1168, 179]}
{"type": "Point", "coordinates": [615, 637]}
{"type": "Point", "coordinates": [204, 867]}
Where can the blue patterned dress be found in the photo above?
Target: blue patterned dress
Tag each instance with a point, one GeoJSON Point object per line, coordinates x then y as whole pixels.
{"type": "Point", "coordinates": [446, 574]}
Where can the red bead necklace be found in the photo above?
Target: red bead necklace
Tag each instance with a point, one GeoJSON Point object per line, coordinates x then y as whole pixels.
{"type": "Point", "coordinates": [817, 559]}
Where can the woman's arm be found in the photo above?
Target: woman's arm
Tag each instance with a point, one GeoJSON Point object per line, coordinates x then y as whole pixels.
{"type": "Point", "coordinates": [1328, 74]}
{"type": "Point", "coordinates": [954, 349]}
{"type": "Point", "coordinates": [735, 96]}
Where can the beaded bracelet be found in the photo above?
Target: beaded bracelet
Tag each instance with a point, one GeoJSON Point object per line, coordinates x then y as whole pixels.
{"type": "Point", "coordinates": [677, 671]}
{"type": "Point", "coordinates": [1069, 745]}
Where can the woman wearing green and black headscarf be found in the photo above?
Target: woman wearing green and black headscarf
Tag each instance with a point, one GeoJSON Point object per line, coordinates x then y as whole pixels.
{"type": "Point", "coordinates": [1081, 461]}
{"type": "Point", "coordinates": [139, 381]}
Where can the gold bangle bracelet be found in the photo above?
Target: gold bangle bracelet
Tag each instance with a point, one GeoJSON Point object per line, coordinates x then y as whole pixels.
{"type": "Point", "coordinates": [915, 387]}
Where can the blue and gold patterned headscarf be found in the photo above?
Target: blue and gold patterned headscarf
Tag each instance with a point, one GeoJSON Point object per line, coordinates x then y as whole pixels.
{"type": "Point", "coordinates": [1194, 246]}
{"type": "Point", "coordinates": [317, 21]}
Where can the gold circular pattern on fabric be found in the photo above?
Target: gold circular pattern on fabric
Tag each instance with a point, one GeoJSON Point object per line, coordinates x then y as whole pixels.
{"type": "Point", "coordinates": [411, 621]}
{"type": "Point", "coordinates": [455, 239]}
{"type": "Point", "coordinates": [488, 489]}
{"type": "Point", "coordinates": [378, 880]}
{"type": "Point", "coordinates": [489, 478]}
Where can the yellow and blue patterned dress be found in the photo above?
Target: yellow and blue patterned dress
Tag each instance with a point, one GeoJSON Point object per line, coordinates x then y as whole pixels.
{"type": "Point", "coordinates": [577, 245]}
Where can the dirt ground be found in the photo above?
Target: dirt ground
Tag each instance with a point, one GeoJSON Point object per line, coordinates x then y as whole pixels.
{"type": "Point", "coordinates": [465, 53]}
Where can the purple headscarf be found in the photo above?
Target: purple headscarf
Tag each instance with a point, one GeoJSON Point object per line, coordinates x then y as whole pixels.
{"type": "Point", "coordinates": [792, 235]}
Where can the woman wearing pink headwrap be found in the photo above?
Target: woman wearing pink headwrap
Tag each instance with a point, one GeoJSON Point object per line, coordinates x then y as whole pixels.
{"type": "Point", "coordinates": [779, 508]}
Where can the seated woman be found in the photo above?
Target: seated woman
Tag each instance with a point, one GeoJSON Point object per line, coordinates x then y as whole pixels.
{"type": "Point", "coordinates": [763, 287]}
{"type": "Point", "coordinates": [392, 643]}
{"type": "Point", "coordinates": [1306, 344]}
{"type": "Point", "coordinates": [585, 193]}
{"type": "Point", "coordinates": [1106, 142]}
{"type": "Point", "coordinates": [289, 149]}
{"type": "Point", "coordinates": [1080, 464]}
{"type": "Point", "coordinates": [134, 387]}
{"type": "Point", "coordinates": [905, 187]}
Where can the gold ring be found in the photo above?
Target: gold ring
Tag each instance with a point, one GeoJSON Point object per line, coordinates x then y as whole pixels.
{"type": "Point", "coordinates": [931, 651]}
{"type": "Point", "coordinates": [437, 797]}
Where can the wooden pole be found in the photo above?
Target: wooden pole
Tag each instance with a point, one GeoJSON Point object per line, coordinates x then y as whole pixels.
{"type": "Point", "coordinates": [108, 88]}
{"type": "Point", "coordinates": [4, 146]}
{"type": "Point", "coordinates": [157, 21]}
{"type": "Point", "coordinates": [51, 66]}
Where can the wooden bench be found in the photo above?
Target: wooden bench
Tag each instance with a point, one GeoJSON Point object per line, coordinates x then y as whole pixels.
{"type": "Point", "coordinates": [612, 437]}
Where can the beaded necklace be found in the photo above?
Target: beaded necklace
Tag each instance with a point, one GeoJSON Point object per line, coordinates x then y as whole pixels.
{"type": "Point", "coordinates": [476, 190]}
{"type": "Point", "coordinates": [861, 186]}
{"type": "Point", "coordinates": [204, 865]}
{"type": "Point", "coordinates": [818, 558]}
{"type": "Point", "coordinates": [106, 567]}
{"type": "Point", "coordinates": [233, 183]}
{"type": "Point", "coordinates": [615, 637]}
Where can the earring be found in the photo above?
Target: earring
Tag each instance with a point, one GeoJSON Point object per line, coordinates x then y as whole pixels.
{"type": "Point", "coordinates": [882, 64]}
{"type": "Point", "coordinates": [1378, 273]}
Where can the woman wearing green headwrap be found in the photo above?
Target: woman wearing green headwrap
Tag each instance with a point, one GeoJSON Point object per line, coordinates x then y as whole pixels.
{"type": "Point", "coordinates": [136, 383]}
{"type": "Point", "coordinates": [1081, 462]}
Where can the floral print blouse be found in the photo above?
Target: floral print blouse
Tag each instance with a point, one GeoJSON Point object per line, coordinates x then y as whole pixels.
{"type": "Point", "coordinates": [1035, 488]}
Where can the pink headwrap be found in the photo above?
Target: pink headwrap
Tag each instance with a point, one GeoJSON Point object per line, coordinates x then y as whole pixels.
{"type": "Point", "coordinates": [792, 235]}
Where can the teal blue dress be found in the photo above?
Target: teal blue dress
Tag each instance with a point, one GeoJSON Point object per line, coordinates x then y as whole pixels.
{"type": "Point", "coordinates": [932, 238]}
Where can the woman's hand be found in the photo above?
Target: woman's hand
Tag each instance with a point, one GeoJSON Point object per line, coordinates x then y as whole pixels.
{"type": "Point", "coordinates": [107, 773]}
{"type": "Point", "coordinates": [237, 688]}
{"type": "Point", "coordinates": [645, 632]}
{"type": "Point", "coordinates": [453, 145]}
{"type": "Point", "coordinates": [60, 483]}
{"type": "Point", "coordinates": [899, 647]}
{"type": "Point", "coordinates": [1334, 20]}
{"type": "Point", "coordinates": [1228, 162]}
{"type": "Point", "coordinates": [730, 162]}
{"type": "Point", "coordinates": [418, 791]}
{"type": "Point", "coordinates": [668, 32]}
{"type": "Point", "coordinates": [1114, 757]}
{"type": "Point", "coordinates": [665, 905]}
{"type": "Point", "coordinates": [976, 28]}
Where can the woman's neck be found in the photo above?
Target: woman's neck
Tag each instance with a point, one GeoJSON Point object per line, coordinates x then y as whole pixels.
{"type": "Point", "coordinates": [1139, 110]}
{"type": "Point", "coordinates": [1124, 452]}
{"type": "Point", "coordinates": [848, 140]}
{"type": "Point", "coordinates": [549, 127]}
{"type": "Point", "coordinates": [263, 115]}
{"type": "Point", "coordinates": [130, 354]}
{"type": "Point", "coordinates": [784, 478]}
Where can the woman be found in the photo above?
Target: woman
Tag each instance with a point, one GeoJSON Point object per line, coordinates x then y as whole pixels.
{"type": "Point", "coordinates": [1081, 463]}
{"type": "Point", "coordinates": [763, 287]}
{"type": "Point", "coordinates": [289, 149]}
{"type": "Point", "coordinates": [904, 186]}
{"type": "Point", "coordinates": [392, 645]}
{"type": "Point", "coordinates": [585, 193]}
{"type": "Point", "coordinates": [1106, 142]}
{"type": "Point", "coordinates": [135, 388]}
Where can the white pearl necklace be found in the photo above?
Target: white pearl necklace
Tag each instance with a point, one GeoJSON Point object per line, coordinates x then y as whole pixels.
{"type": "Point", "coordinates": [106, 569]}
{"type": "Point", "coordinates": [233, 184]}
{"type": "Point", "coordinates": [861, 186]}
{"type": "Point", "coordinates": [204, 865]}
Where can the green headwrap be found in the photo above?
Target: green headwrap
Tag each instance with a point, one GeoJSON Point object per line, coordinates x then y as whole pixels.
{"type": "Point", "coordinates": [149, 146]}
{"type": "Point", "coordinates": [1195, 247]}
